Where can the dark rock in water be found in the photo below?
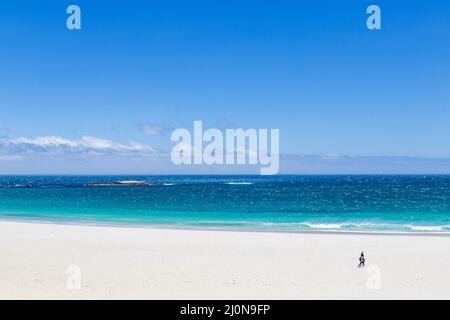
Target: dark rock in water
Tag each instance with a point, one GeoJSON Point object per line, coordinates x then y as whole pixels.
{"type": "Point", "coordinates": [122, 184]}
{"type": "Point", "coordinates": [22, 186]}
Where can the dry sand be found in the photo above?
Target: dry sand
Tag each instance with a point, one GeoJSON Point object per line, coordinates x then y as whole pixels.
{"type": "Point", "coordinates": [194, 264]}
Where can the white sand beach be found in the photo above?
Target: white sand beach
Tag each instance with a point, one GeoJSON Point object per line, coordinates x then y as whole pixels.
{"type": "Point", "coordinates": [194, 264]}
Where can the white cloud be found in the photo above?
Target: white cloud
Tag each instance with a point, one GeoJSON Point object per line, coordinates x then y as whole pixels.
{"type": "Point", "coordinates": [331, 156]}
{"type": "Point", "coordinates": [59, 145]}
{"type": "Point", "coordinates": [152, 129]}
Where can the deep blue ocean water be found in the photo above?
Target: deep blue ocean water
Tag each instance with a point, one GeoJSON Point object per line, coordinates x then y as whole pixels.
{"type": "Point", "coordinates": [367, 203]}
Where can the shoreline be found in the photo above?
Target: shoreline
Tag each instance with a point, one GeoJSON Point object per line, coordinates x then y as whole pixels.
{"type": "Point", "coordinates": [251, 230]}
{"type": "Point", "coordinates": [149, 263]}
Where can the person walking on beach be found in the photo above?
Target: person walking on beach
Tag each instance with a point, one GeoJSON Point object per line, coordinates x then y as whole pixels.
{"type": "Point", "coordinates": [362, 260]}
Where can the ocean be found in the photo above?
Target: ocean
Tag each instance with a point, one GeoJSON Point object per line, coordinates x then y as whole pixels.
{"type": "Point", "coordinates": [352, 203]}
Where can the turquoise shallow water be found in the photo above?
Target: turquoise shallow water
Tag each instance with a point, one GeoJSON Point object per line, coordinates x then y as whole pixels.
{"type": "Point", "coordinates": [282, 203]}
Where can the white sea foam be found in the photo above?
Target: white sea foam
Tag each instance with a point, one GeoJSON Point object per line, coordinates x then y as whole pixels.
{"type": "Point", "coordinates": [324, 225]}
{"type": "Point", "coordinates": [240, 183]}
{"type": "Point", "coordinates": [426, 228]}
{"type": "Point", "coordinates": [363, 227]}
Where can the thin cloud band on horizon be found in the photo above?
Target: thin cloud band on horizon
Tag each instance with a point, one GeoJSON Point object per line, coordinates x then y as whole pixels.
{"type": "Point", "coordinates": [55, 145]}
{"type": "Point", "coordinates": [89, 154]}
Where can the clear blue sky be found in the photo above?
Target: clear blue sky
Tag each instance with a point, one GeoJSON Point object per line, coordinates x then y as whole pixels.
{"type": "Point", "coordinates": [310, 68]}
